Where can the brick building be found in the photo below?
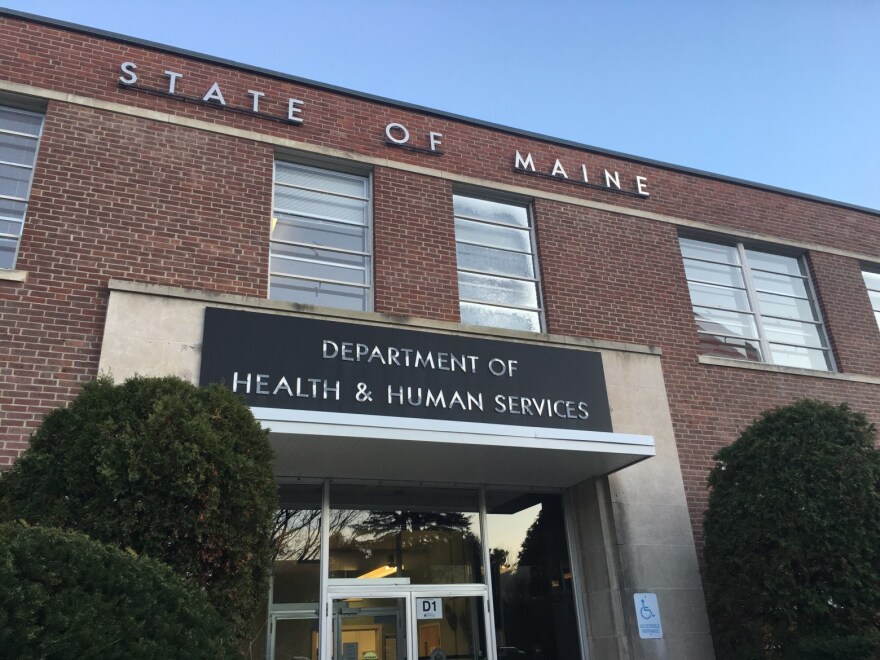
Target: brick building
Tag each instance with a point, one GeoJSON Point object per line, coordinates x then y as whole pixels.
{"type": "Point", "coordinates": [457, 332]}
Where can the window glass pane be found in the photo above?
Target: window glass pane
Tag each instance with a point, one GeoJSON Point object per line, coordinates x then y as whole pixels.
{"type": "Point", "coordinates": [14, 181]}
{"type": "Point", "coordinates": [495, 261]}
{"type": "Point", "coordinates": [500, 317]}
{"type": "Point", "coordinates": [725, 254]}
{"type": "Point", "coordinates": [872, 280]}
{"type": "Point", "coordinates": [477, 248]}
{"type": "Point", "coordinates": [792, 308]}
{"type": "Point", "coordinates": [320, 232]}
{"type": "Point", "coordinates": [492, 235]}
{"type": "Point", "coordinates": [7, 252]}
{"type": "Point", "coordinates": [10, 227]}
{"type": "Point", "coordinates": [730, 347]}
{"type": "Point", "coordinates": [295, 638]}
{"type": "Point", "coordinates": [793, 332]}
{"type": "Point", "coordinates": [321, 264]}
{"type": "Point", "coordinates": [497, 290]}
{"type": "Point", "coordinates": [492, 211]}
{"type": "Point", "coordinates": [773, 262]}
{"type": "Point", "coordinates": [296, 545]}
{"type": "Point", "coordinates": [532, 588]}
{"type": "Point", "coordinates": [295, 594]}
{"type": "Point", "coordinates": [318, 293]}
{"type": "Point", "coordinates": [425, 535]}
{"type": "Point", "coordinates": [320, 220]}
{"type": "Point", "coordinates": [306, 202]}
{"type": "Point", "coordinates": [714, 273]}
{"type": "Point", "coordinates": [805, 358]}
{"type": "Point", "coordinates": [875, 299]}
{"type": "Point", "coordinates": [17, 156]}
{"type": "Point", "coordinates": [706, 295]}
{"type": "Point", "coordinates": [10, 209]}
{"type": "Point", "coordinates": [716, 321]}
{"type": "Point", "coordinates": [782, 284]}
{"type": "Point", "coordinates": [18, 149]}
{"type": "Point", "coordinates": [877, 318]}
{"type": "Point", "coordinates": [317, 179]}
{"type": "Point", "coordinates": [20, 122]}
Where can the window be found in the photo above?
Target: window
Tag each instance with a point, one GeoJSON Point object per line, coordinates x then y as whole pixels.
{"type": "Point", "coordinates": [754, 305]}
{"type": "Point", "coordinates": [498, 284]}
{"type": "Point", "coordinates": [19, 135]}
{"type": "Point", "coordinates": [872, 281]}
{"type": "Point", "coordinates": [320, 240]}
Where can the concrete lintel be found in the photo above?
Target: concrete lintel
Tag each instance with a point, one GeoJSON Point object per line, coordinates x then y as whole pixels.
{"type": "Point", "coordinates": [373, 318]}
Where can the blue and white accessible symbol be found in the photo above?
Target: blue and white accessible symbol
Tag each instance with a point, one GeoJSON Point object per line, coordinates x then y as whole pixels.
{"type": "Point", "coordinates": [648, 616]}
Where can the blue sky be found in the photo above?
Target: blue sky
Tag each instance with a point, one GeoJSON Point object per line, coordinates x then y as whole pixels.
{"type": "Point", "coordinates": [782, 92]}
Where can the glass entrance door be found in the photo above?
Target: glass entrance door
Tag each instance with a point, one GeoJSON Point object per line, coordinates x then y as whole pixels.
{"type": "Point", "coordinates": [408, 623]}
{"type": "Point", "coordinates": [370, 629]}
{"type": "Point", "coordinates": [450, 627]}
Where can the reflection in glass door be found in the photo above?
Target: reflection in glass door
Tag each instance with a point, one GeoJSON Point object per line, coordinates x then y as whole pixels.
{"type": "Point", "coordinates": [369, 629]}
{"type": "Point", "coordinates": [451, 627]}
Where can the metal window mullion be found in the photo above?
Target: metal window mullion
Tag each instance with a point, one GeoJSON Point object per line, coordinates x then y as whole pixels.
{"type": "Point", "coordinates": [724, 335]}
{"type": "Point", "coordinates": [18, 165]}
{"type": "Point", "coordinates": [17, 199]}
{"type": "Point", "coordinates": [323, 192]}
{"type": "Point", "coordinates": [805, 346]}
{"type": "Point", "coordinates": [491, 247]}
{"type": "Point", "coordinates": [322, 262]}
{"type": "Point", "coordinates": [489, 620]}
{"type": "Point", "coordinates": [500, 276]}
{"type": "Point", "coordinates": [724, 309]}
{"type": "Point", "coordinates": [505, 306]}
{"type": "Point", "coordinates": [319, 247]}
{"type": "Point", "coordinates": [313, 216]}
{"type": "Point", "coordinates": [753, 301]}
{"type": "Point", "coordinates": [788, 318]}
{"type": "Point", "coordinates": [4, 235]}
{"type": "Point", "coordinates": [723, 286]}
{"type": "Point", "coordinates": [30, 136]}
{"type": "Point", "coordinates": [774, 272]}
{"type": "Point", "coordinates": [495, 223]}
{"type": "Point", "coordinates": [782, 295]}
{"type": "Point", "coordinates": [324, 280]}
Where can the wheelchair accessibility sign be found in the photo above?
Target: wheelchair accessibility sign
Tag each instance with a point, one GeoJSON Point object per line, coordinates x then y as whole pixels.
{"type": "Point", "coordinates": [648, 616]}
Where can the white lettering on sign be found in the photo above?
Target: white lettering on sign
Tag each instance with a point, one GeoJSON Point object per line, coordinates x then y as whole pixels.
{"type": "Point", "coordinates": [398, 135]}
{"type": "Point", "coordinates": [648, 616]}
{"type": "Point", "coordinates": [213, 94]}
{"type": "Point", "coordinates": [526, 164]}
{"type": "Point", "coordinates": [429, 608]}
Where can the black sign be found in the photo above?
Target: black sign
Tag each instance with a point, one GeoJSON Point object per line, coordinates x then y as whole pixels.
{"type": "Point", "coordinates": [334, 367]}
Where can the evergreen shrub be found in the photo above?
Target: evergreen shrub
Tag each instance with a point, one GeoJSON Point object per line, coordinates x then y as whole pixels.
{"type": "Point", "coordinates": [66, 596]}
{"type": "Point", "coordinates": [792, 534]}
{"type": "Point", "coordinates": [178, 473]}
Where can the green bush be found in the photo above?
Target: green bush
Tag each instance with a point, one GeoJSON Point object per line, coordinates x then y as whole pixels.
{"type": "Point", "coordinates": [65, 596]}
{"type": "Point", "coordinates": [850, 647]}
{"type": "Point", "coordinates": [175, 472]}
{"type": "Point", "coordinates": [792, 536]}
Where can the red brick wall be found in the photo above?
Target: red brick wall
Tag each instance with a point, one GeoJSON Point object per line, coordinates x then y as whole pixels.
{"type": "Point", "coordinates": [118, 196]}
{"type": "Point", "coordinates": [414, 242]}
{"type": "Point", "coordinates": [115, 196]}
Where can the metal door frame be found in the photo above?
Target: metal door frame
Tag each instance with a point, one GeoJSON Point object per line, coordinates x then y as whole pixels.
{"type": "Point", "coordinates": [409, 592]}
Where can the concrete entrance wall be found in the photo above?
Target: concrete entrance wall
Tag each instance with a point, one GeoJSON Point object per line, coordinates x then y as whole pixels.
{"type": "Point", "coordinates": [631, 528]}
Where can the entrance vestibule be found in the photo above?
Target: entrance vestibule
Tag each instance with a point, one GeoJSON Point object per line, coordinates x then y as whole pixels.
{"type": "Point", "coordinates": [400, 571]}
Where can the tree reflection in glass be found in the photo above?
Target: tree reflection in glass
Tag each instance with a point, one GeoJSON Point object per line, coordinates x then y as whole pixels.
{"type": "Point", "coordinates": [426, 536]}
{"type": "Point", "coordinates": [531, 577]}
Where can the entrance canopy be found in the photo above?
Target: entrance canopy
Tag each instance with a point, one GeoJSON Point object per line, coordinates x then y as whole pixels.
{"type": "Point", "coordinates": [351, 446]}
